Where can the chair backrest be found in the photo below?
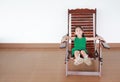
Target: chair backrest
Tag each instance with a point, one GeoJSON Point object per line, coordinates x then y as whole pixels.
{"type": "Point", "coordinates": [86, 18]}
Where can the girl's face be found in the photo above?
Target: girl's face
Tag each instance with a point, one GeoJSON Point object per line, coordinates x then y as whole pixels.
{"type": "Point", "coordinates": [78, 31]}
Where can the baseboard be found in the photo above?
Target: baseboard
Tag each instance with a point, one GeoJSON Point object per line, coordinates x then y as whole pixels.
{"type": "Point", "coordinates": [114, 45]}
{"type": "Point", "coordinates": [39, 45]}
{"type": "Point", "coordinates": [29, 45]}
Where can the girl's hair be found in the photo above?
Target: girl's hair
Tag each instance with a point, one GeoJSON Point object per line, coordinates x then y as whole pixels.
{"type": "Point", "coordinates": [81, 29]}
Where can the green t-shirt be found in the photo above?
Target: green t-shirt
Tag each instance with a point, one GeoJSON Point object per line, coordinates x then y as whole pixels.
{"type": "Point", "coordinates": [79, 44]}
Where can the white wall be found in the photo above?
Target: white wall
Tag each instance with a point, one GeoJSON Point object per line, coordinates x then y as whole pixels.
{"type": "Point", "coordinates": [45, 21]}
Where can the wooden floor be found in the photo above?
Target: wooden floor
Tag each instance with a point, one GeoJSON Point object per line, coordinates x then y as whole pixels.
{"type": "Point", "coordinates": [38, 65]}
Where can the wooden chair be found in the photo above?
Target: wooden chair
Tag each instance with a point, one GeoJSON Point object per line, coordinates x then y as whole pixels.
{"type": "Point", "coordinates": [86, 18]}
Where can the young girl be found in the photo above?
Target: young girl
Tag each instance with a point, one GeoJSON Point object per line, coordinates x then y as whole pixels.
{"type": "Point", "coordinates": [79, 48]}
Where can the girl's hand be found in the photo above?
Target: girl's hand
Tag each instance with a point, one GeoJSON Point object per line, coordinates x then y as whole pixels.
{"type": "Point", "coordinates": [65, 38]}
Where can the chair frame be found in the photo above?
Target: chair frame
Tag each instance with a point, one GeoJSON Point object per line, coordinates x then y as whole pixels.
{"type": "Point", "coordinates": [98, 48]}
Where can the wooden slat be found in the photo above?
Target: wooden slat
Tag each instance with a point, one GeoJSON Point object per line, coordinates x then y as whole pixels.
{"type": "Point", "coordinates": [82, 11]}
{"type": "Point", "coordinates": [81, 24]}
{"type": "Point", "coordinates": [81, 15]}
{"type": "Point", "coordinates": [82, 19]}
{"type": "Point", "coordinates": [84, 27]}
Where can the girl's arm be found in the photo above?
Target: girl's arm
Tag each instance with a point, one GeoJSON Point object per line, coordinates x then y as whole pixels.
{"type": "Point", "coordinates": [66, 38]}
{"type": "Point", "coordinates": [94, 38]}
{"type": "Point", "coordinates": [72, 38]}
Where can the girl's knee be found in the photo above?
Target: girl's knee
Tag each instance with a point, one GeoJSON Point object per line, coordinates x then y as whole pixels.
{"type": "Point", "coordinates": [83, 52]}
{"type": "Point", "coordinates": [76, 52]}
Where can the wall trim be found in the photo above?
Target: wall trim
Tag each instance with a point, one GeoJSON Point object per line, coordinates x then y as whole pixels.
{"type": "Point", "coordinates": [39, 45]}
{"type": "Point", "coordinates": [29, 45]}
{"type": "Point", "coordinates": [114, 45]}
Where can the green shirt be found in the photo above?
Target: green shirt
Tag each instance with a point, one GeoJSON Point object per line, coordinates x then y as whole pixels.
{"type": "Point", "coordinates": [79, 44]}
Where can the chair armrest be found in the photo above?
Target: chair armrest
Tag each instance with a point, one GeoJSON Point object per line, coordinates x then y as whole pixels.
{"type": "Point", "coordinates": [105, 45]}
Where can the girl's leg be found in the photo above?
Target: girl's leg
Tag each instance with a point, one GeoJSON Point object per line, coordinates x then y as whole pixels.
{"type": "Point", "coordinates": [85, 56]}
{"type": "Point", "coordinates": [77, 60]}
{"type": "Point", "coordinates": [76, 54]}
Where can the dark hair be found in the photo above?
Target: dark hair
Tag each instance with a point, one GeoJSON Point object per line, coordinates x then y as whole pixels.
{"type": "Point", "coordinates": [81, 29]}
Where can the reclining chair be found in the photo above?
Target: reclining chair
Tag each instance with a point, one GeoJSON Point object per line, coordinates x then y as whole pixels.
{"type": "Point", "coordinates": [86, 18]}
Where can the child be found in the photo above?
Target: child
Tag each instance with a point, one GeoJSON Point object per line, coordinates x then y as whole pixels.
{"type": "Point", "coordinates": [79, 48]}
